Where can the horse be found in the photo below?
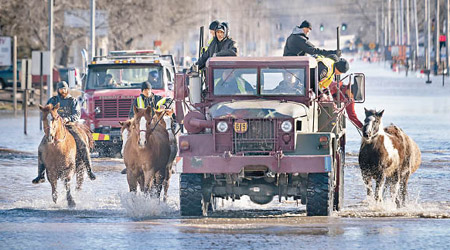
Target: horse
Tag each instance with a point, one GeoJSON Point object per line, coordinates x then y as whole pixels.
{"type": "Point", "coordinates": [388, 156]}
{"type": "Point", "coordinates": [147, 151]}
{"type": "Point", "coordinates": [58, 152]}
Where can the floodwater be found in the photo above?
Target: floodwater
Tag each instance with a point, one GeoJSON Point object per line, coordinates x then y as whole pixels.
{"type": "Point", "coordinates": [107, 216]}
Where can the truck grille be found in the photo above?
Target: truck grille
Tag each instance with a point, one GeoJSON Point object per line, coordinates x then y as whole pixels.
{"type": "Point", "coordinates": [260, 137]}
{"type": "Point", "coordinates": [113, 108]}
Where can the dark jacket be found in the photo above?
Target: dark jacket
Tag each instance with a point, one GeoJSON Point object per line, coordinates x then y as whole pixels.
{"type": "Point", "coordinates": [68, 107]}
{"type": "Point", "coordinates": [227, 47]}
{"type": "Point", "coordinates": [148, 101]}
{"type": "Point", "coordinates": [297, 44]}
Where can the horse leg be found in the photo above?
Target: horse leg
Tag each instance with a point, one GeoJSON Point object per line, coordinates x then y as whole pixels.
{"type": "Point", "coordinates": [158, 182]}
{"type": "Point", "coordinates": [403, 190]}
{"type": "Point", "coordinates": [53, 182]}
{"type": "Point", "coordinates": [379, 186]}
{"type": "Point", "coordinates": [80, 176]}
{"type": "Point", "coordinates": [148, 181]}
{"type": "Point", "coordinates": [132, 181]}
{"type": "Point", "coordinates": [141, 182]}
{"type": "Point", "coordinates": [395, 185]}
{"type": "Point", "coordinates": [70, 200]}
{"type": "Point", "coordinates": [167, 181]}
{"type": "Point", "coordinates": [368, 182]}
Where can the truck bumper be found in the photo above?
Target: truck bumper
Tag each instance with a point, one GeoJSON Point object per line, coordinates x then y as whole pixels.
{"type": "Point", "coordinates": [234, 164]}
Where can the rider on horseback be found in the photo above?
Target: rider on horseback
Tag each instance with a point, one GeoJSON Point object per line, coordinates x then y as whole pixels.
{"type": "Point", "coordinates": [70, 112]}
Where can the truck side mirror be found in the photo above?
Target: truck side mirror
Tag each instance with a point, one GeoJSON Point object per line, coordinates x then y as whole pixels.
{"type": "Point", "coordinates": [71, 75]}
{"type": "Point", "coordinates": [358, 87]}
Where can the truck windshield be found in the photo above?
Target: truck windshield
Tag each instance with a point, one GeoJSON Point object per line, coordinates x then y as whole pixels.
{"type": "Point", "coordinates": [235, 81]}
{"type": "Point", "coordinates": [282, 81]}
{"type": "Point", "coordinates": [124, 76]}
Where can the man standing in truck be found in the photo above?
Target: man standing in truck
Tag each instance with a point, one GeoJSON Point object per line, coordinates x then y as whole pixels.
{"type": "Point", "coordinates": [297, 43]}
{"type": "Point", "coordinates": [223, 45]}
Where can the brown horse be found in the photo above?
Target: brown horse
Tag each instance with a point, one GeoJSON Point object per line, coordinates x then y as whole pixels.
{"type": "Point", "coordinates": [146, 152]}
{"type": "Point", "coordinates": [388, 156]}
{"type": "Point", "coordinates": [58, 152]}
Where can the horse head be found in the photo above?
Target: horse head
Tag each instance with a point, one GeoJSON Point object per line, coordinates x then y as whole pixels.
{"type": "Point", "coordinates": [372, 124]}
{"type": "Point", "coordinates": [50, 119]}
{"type": "Point", "coordinates": [141, 124]}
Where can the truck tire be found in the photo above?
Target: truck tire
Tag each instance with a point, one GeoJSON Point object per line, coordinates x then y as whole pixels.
{"type": "Point", "coordinates": [191, 195]}
{"type": "Point", "coordinates": [319, 195]}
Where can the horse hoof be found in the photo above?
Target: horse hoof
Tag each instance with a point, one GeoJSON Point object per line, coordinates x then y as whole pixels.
{"type": "Point", "coordinates": [124, 171]}
{"type": "Point", "coordinates": [91, 176]}
{"type": "Point", "coordinates": [38, 180]}
{"type": "Point", "coordinates": [71, 203]}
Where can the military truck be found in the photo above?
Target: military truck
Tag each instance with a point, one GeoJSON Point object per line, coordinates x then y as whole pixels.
{"type": "Point", "coordinates": [260, 127]}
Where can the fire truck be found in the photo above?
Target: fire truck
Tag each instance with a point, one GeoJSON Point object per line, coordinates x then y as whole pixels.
{"type": "Point", "coordinates": [112, 83]}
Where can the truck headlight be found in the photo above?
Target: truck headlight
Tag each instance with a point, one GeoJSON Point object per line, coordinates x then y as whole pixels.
{"type": "Point", "coordinates": [286, 126]}
{"type": "Point", "coordinates": [97, 110]}
{"type": "Point", "coordinates": [222, 127]}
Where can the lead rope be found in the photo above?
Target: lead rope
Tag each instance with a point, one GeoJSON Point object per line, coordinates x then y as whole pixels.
{"type": "Point", "coordinates": [153, 129]}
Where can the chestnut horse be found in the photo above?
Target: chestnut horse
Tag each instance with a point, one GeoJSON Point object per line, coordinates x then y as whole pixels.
{"type": "Point", "coordinates": [146, 152]}
{"type": "Point", "coordinates": [388, 156]}
{"type": "Point", "coordinates": [57, 152]}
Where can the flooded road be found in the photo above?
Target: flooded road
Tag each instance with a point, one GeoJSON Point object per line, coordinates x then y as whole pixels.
{"type": "Point", "coordinates": [107, 216]}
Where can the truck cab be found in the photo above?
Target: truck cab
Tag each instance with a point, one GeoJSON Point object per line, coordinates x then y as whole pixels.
{"type": "Point", "coordinates": [257, 127]}
{"type": "Point", "coordinates": [113, 82]}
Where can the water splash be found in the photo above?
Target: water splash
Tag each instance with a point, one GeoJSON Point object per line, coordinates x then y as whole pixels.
{"type": "Point", "coordinates": [141, 206]}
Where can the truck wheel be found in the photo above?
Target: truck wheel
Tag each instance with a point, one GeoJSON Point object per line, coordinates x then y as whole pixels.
{"type": "Point", "coordinates": [191, 198]}
{"type": "Point", "coordinates": [319, 195]}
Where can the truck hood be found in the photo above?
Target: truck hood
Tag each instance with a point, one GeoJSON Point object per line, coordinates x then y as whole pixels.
{"type": "Point", "coordinates": [251, 109]}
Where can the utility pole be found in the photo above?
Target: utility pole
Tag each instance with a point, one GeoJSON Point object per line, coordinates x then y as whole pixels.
{"type": "Point", "coordinates": [447, 50]}
{"type": "Point", "coordinates": [408, 31]}
{"type": "Point", "coordinates": [383, 24]}
{"type": "Point", "coordinates": [389, 23]}
{"type": "Point", "coordinates": [376, 25]}
{"type": "Point", "coordinates": [50, 48]}
{"type": "Point", "coordinates": [92, 29]}
{"type": "Point", "coordinates": [15, 74]}
{"type": "Point", "coordinates": [395, 23]}
{"type": "Point", "coordinates": [400, 22]}
{"type": "Point", "coordinates": [416, 32]}
{"type": "Point", "coordinates": [437, 54]}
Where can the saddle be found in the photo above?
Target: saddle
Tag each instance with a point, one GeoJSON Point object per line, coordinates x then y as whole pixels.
{"type": "Point", "coordinates": [82, 131]}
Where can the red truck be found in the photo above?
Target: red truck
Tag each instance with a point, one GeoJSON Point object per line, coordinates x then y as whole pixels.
{"type": "Point", "coordinates": [104, 104]}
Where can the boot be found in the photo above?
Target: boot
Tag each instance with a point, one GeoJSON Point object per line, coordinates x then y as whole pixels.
{"type": "Point", "coordinates": [91, 175]}
{"type": "Point", "coordinates": [41, 175]}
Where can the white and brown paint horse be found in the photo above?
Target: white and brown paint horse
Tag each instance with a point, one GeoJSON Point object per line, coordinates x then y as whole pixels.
{"type": "Point", "coordinates": [146, 152]}
{"type": "Point", "coordinates": [388, 156]}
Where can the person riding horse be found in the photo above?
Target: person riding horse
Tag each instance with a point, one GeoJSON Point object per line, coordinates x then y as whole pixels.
{"type": "Point", "coordinates": [70, 112]}
{"type": "Point", "coordinates": [145, 99]}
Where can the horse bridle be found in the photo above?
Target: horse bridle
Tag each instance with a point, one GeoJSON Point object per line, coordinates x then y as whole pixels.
{"type": "Point", "coordinates": [58, 117]}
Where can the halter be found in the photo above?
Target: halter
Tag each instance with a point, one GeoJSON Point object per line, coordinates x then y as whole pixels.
{"type": "Point", "coordinates": [58, 117]}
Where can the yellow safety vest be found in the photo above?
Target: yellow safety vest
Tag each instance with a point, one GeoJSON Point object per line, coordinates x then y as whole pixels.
{"type": "Point", "coordinates": [240, 84]}
{"type": "Point", "coordinates": [160, 103]}
{"type": "Point", "coordinates": [328, 79]}
{"type": "Point", "coordinates": [140, 102]}
{"type": "Point", "coordinates": [205, 48]}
